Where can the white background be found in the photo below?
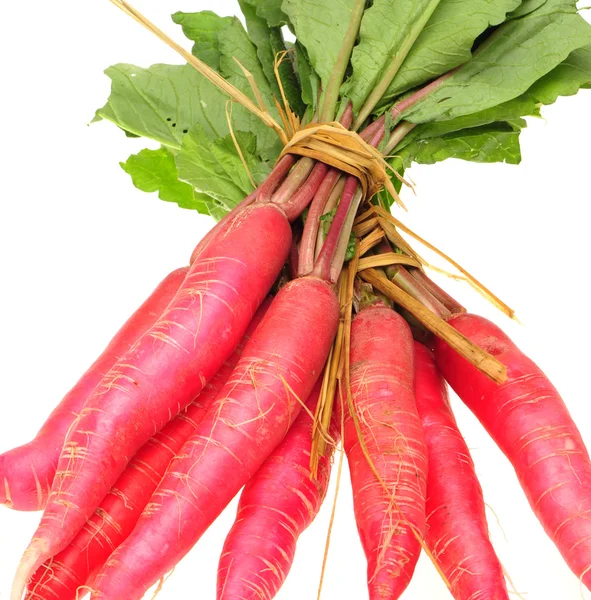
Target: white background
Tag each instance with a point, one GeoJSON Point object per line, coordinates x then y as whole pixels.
{"type": "Point", "coordinates": [80, 248]}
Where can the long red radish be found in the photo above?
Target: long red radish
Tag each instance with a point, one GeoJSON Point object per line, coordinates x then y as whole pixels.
{"type": "Point", "coordinates": [276, 506]}
{"type": "Point", "coordinates": [250, 417]}
{"type": "Point", "coordinates": [457, 531]}
{"type": "Point", "coordinates": [389, 510]}
{"type": "Point", "coordinates": [26, 472]}
{"type": "Point", "coordinates": [221, 226]}
{"type": "Point", "coordinates": [530, 423]}
{"type": "Point", "coordinates": [162, 373]}
{"type": "Point", "coordinates": [61, 577]}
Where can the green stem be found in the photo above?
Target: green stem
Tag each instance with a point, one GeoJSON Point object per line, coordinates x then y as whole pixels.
{"type": "Point", "coordinates": [397, 135]}
{"type": "Point", "coordinates": [394, 66]}
{"type": "Point", "coordinates": [331, 94]}
{"type": "Point", "coordinates": [341, 251]}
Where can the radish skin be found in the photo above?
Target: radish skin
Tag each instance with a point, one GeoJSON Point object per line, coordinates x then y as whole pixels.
{"type": "Point", "coordinates": [27, 472]}
{"type": "Point", "coordinates": [530, 423]}
{"type": "Point", "coordinates": [161, 374]}
{"type": "Point", "coordinates": [276, 506]}
{"type": "Point", "coordinates": [222, 226]}
{"type": "Point", "coordinates": [250, 417]}
{"type": "Point", "coordinates": [457, 531]}
{"type": "Point", "coordinates": [382, 380]}
{"type": "Point", "coordinates": [61, 576]}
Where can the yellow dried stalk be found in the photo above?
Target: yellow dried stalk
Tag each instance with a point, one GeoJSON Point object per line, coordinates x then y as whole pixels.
{"type": "Point", "coordinates": [327, 395]}
{"type": "Point", "coordinates": [253, 85]}
{"type": "Point", "coordinates": [365, 227]}
{"type": "Point", "coordinates": [334, 507]}
{"type": "Point", "coordinates": [387, 259]}
{"type": "Point", "coordinates": [366, 214]}
{"type": "Point", "coordinates": [396, 239]}
{"type": "Point", "coordinates": [334, 145]}
{"type": "Point", "coordinates": [294, 122]}
{"type": "Point", "coordinates": [474, 282]}
{"type": "Point", "coordinates": [371, 240]}
{"type": "Point", "coordinates": [482, 360]}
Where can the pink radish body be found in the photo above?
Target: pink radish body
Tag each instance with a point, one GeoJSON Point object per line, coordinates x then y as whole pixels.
{"type": "Point", "coordinates": [221, 226]}
{"type": "Point", "coordinates": [162, 373]}
{"type": "Point", "coordinates": [390, 523]}
{"type": "Point", "coordinates": [531, 424]}
{"type": "Point", "coordinates": [276, 506]}
{"type": "Point", "coordinates": [249, 418]}
{"type": "Point", "coordinates": [61, 576]}
{"type": "Point", "coordinates": [26, 472]}
{"type": "Point", "coordinates": [457, 531]}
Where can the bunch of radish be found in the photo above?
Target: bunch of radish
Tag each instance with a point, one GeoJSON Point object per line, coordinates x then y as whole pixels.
{"type": "Point", "coordinates": [305, 321]}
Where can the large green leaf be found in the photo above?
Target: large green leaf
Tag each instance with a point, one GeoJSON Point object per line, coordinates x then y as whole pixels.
{"type": "Point", "coordinates": [497, 142]}
{"type": "Point", "coordinates": [163, 102]}
{"type": "Point", "coordinates": [320, 25]}
{"type": "Point", "coordinates": [519, 107]}
{"type": "Point", "coordinates": [269, 42]}
{"type": "Point", "coordinates": [203, 29]}
{"type": "Point", "coordinates": [510, 61]}
{"type": "Point", "coordinates": [447, 40]}
{"type": "Point", "coordinates": [236, 45]}
{"type": "Point", "coordinates": [388, 30]}
{"type": "Point", "coordinates": [155, 171]}
{"type": "Point", "coordinates": [566, 79]}
{"type": "Point", "coordinates": [271, 11]}
{"type": "Point", "coordinates": [221, 41]}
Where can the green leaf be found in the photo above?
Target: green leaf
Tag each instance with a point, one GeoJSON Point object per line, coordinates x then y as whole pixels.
{"type": "Point", "coordinates": [525, 8]}
{"type": "Point", "coordinates": [235, 44]}
{"type": "Point", "coordinates": [269, 42]}
{"type": "Point", "coordinates": [163, 102]}
{"type": "Point", "coordinates": [510, 61]}
{"type": "Point", "coordinates": [514, 109]}
{"type": "Point", "coordinates": [271, 11]}
{"type": "Point", "coordinates": [155, 171]}
{"type": "Point", "coordinates": [388, 29]}
{"type": "Point", "coordinates": [566, 79]}
{"type": "Point", "coordinates": [221, 40]}
{"type": "Point", "coordinates": [203, 28]}
{"type": "Point", "coordinates": [213, 167]}
{"type": "Point", "coordinates": [310, 81]}
{"type": "Point", "coordinates": [498, 142]}
{"type": "Point", "coordinates": [543, 7]}
{"type": "Point", "coordinates": [447, 40]}
{"type": "Point", "coordinates": [320, 25]}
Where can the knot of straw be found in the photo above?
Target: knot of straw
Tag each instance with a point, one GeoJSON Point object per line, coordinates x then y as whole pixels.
{"type": "Point", "coordinates": [334, 145]}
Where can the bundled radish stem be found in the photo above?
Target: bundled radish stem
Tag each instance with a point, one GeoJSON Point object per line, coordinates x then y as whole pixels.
{"type": "Point", "coordinates": [299, 151]}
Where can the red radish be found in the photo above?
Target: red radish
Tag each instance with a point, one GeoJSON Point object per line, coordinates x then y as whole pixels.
{"type": "Point", "coordinates": [391, 522]}
{"type": "Point", "coordinates": [26, 472]}
{"type": "Point", "coordinates": [221, 226]}
{"type": "Point", "coordinates": [276, 506]}
{"type": "Point", "coordinates": [531, 424]}
{"type": "Point", "coordinates": [162, 373]}
{"type": "Point", "coordinates": [457, 531]}
{"type": "Point", "coordinates": [61, 576]}
{"type": "Point", "coordinates": [249, 418]}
